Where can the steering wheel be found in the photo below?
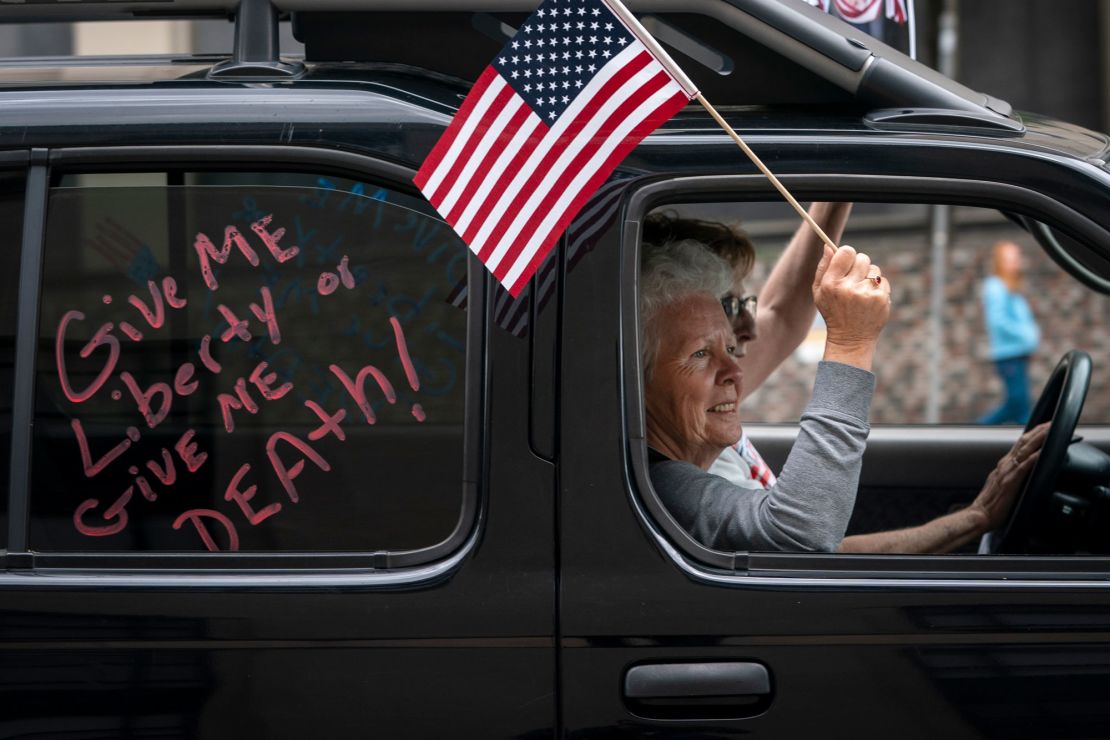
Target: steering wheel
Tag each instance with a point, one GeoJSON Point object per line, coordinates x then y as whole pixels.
{"type": "Point", "coordinates": [1061, 402]}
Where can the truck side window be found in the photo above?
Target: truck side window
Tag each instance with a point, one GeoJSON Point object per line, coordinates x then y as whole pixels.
{"type": "Point", "coordinates": [246, 363]}
{"type": "Point", "coordinates": [938, 366]}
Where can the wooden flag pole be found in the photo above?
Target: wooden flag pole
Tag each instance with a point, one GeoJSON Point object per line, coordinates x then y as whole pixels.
{"type": "Point", "coordinates": [637, 29]}
{"type": "Point", "coordinates": [763, 168]}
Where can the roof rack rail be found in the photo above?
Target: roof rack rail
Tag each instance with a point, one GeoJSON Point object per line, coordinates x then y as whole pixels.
{"type": "Point", "coordinates": [256, 52]}
{"type": "Point", "coordinates": [942, 119]}
{"type": "Point", "coordinates": [828, 60]}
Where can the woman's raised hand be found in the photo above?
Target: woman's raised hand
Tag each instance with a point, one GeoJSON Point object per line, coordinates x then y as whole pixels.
{"type": "Point", "coordinates": [854, 299]}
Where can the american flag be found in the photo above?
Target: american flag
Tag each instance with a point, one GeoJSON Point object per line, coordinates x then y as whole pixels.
{"type": "Point", "coordinates": [596, 216]}
{"type": "Point", "coordinates": [510, 313]}
{"type": "Point", "coordinates": [577, 87]}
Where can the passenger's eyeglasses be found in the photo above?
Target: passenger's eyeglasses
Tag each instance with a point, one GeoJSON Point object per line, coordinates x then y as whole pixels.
{"type": "Point", "coordinates": [734, 305]}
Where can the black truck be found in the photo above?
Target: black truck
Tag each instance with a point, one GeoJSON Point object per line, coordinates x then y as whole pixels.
{"type": "Point", "coordinates": [282, 460]}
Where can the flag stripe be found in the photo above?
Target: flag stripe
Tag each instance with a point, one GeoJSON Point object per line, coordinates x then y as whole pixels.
{"type": "Point", "coordinates": [596, 123]}
{"type": "Point", "coordinates": [550, 196]}
{"type": "Point", "coordinates": [444, 144]}
{"type": "Point", "coordinates": [489, 125]}
{"type": "Point", "coordinates": [454, 204]}
{"type": "Point", "coordinates": [462, 137]}
{"type": "Point", "coordinates": [675, 104]}
{"type": "Point", "coordinates": [511, 160]}
{"type": "Point", "coordinates": [511, 190]}
{"type": "Point", "coordinates": [556, 153]}
{"type": "Point", "coordinates": [646, 119]}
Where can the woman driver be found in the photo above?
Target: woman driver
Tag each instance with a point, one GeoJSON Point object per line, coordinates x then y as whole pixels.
{"type": "Point", "coordinates": [693, 385]}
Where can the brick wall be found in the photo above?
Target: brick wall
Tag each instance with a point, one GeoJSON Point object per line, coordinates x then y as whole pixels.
{"type": "Point", "coordinates": [1070, 316]}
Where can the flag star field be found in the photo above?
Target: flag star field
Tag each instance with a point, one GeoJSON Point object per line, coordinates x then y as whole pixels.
{"type": "Point", "coordinates": [557, 51]}
{"type": "Point", "coordinates": [566, 100]}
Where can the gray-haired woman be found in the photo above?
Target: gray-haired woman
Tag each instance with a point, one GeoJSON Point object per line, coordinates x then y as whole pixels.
{"type": "Point", "coordinates": [693, 385]}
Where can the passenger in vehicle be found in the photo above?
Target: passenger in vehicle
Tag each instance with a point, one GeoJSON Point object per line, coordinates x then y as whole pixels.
{"type": "Point", "coordinates": [767, 337]}
{"type": "Point", "coordinates": [785, 301]}
{"type": "Point", "coordinates": [693, 384]}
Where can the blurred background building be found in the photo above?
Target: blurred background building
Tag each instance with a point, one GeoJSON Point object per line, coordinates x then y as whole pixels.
{"type": "Point", "coordinates": [1048, 57]}
{"type": "Point", "coordinates": [1040, 55]}
{"type": "Point", "coordinates": [111, 38]}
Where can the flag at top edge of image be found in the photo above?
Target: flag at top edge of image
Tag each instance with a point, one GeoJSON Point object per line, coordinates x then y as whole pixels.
{"type": "Point", "coordinates": [568, 97]}
{"type": "Point", "coordinates": [890, 21]}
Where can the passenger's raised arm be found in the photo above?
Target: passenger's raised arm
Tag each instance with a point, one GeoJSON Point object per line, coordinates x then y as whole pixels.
{"type": "Point", "coordinates": [785, 302]}
{"type": "Point", "coordinates": [854, 299]}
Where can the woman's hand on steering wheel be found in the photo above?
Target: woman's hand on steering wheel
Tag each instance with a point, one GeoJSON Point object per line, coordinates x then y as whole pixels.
{"type": "Point", "coordinates": [1061, 403]}
{"type": "Point", "coordinates": [1005, 482]}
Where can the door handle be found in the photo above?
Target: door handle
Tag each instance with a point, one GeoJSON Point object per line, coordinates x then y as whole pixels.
{"type": "Point", "coordinates": [689, 680]}
{"type": "Point", "coordinates": [697, 690]}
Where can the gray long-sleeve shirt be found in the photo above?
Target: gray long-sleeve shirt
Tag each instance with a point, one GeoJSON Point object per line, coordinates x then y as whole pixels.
{"type": "Point", "coordinates": [809, 507]}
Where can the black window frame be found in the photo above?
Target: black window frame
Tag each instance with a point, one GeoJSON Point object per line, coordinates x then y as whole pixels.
{"type": "Point", "coordinates": [396, 567]}
{"type": "Point", "coordinates": [15, 161]}
{"type": "Point", "coordinates": [750, 568]}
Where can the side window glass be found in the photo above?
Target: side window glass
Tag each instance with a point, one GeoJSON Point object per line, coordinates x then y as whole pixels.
{"type": "Point", "coordinates": [967, 315]}
{"type": "Point", "coordinates": [11, 223]}
{"type": "Point", "coordinates": [952, 376]}
{"type": "Point", "coordinates": [254, 363]}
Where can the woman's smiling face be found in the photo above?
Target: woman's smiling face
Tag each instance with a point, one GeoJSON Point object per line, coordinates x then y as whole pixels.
{"type": "Point", "coordinates": [693, 390]}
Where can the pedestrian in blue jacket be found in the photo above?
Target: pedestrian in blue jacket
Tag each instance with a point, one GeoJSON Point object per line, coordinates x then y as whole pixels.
{"type": "Point", "coordinates": [1012, 332]}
